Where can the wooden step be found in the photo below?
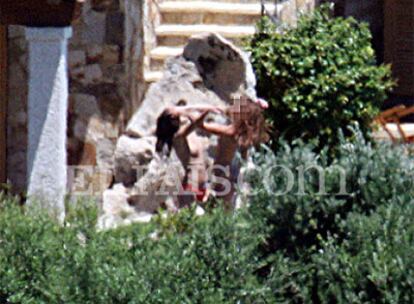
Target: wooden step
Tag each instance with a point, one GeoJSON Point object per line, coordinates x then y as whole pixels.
{"type": "Point", "coordinates": [234, 31]}
{"type": "Point", "coordinates": [214, 7]}
{"type": "Point", "coordinates": [223, 1]}
{"type": "Point", "coordinates": [163, 52]}
{"type": "Point", "coordinates": [173, 41]}
{"type": "Point", "coordinates": [152, 76]}
{"type": "Point", "coordinates": [160, 54]}
{"type": "Point", "coordinates": [208, 18]}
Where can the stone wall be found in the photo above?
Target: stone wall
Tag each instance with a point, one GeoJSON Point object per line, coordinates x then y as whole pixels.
{"type": "Point", "coordinates": [17, 108]}
{"type": "Point", "coordinates": [104, 59]}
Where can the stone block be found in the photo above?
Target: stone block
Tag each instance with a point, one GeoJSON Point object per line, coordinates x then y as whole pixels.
{"type": "Point", "coordinates": [131, 153]}
{"type": "Point", "coordinates": [88, 180]}
{"type": "Point", "coordinates": [87, 155]}
{"type": "Point", "coordinates": [94, 27]}
{"type": "Point", "coordinates": [76, 58]}
{"type": "Point", "coordinates": [115, 28]}
{"type": "Point", "coordinates": [114, 73]}
{"type": "Point", "coordinates": [80, 129]}
{"type": "Point", "coordinates": [77, 74]}
{"type": "Point", "coordinates": [111, 106]}
{"type": "Point", "coordinates": [94, 53]}
{"type": "Point", "coordinates": [84, 105]}
{"type": "Point", "coordinates": [105, 153]}
{"type": "Point", "coordinates": [94, 128]}
{"type": "Point", "coordinates": [93, 74]}
{"type": "Point", "coordinates": [111, 54]}
{"type": "Point", "coordinates": [77, 37]}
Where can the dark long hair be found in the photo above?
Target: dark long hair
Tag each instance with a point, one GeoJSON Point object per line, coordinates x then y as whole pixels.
{"type": "Point", "coordinates": [167, 125]}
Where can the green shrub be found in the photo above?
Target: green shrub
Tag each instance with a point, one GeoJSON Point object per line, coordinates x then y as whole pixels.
{"type": "Point", "coordinates": [334, 247]}
{"type": "Point", "coordinates": [319, 77]}
{"type": "Point", "coordinates": [305, 246]}
{"type": "Point", "coordinates": [210, 261]}
{"type": "Point", "coordinates": [35, 253]}
{"type": "Point", "coordinates": [296, 221]}
{"type": "Point", "coordinates": [374, 264]}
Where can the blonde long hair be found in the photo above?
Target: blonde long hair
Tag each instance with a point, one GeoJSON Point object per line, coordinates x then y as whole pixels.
{"type": "Point", "coordinates": [249, 123]}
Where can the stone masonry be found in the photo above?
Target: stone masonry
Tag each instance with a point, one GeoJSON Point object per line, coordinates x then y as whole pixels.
{"type": "Point", "coordinates": [17, 108]}
{"type": "Point", "coordinates": [104, 92]}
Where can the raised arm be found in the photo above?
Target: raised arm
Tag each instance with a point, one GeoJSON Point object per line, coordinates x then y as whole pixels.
{"type": "Point", "coordinates": [195, 123]}
{"type": "Point", "coordinates": [217, 129]}
{"type": "Point", "coordinates": [188, 110]}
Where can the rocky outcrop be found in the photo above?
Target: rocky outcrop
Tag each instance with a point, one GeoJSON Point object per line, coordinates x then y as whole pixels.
{"type": "Point", "coordinates": [211, 71]}
{"type": "Point", "coordinates": [181, 81]}
{"type": "Point", "coordinates": [116, 210]}
{"type": "Point", "coordinates": [225, 69]}
{"type": "Point", "coordinates": [130, 153]}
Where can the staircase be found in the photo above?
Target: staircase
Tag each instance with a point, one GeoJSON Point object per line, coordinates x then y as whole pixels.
{"type": "Point", "coordinates": [178, 20]}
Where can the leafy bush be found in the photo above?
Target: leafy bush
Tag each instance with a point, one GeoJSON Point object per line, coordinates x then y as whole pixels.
{"type": "Point", "coordinates": [335, 246]}
{"type": "Point", "coordinates": [374, 264]}
{"type": "Point", "coordinates": [372, 176]}
{"type": "Point", "coordinates": [319, 77]}
{"type": "Point", "coordinates": [210, 261]}
{"type": "Point", "coordinates": [305, 246]}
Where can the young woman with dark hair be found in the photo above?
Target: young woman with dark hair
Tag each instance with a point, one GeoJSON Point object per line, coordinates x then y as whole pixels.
{"type": "Point", "coordinates": [172, 133]}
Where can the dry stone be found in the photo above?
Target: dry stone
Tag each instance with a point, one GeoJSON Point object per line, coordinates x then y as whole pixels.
{"type": "Point", "coordinates": [93, 74]}
{"type": "Point", "coordinates": [224, 68]}
{"type": "Point", "coordinates": [77, 73]}
{"type": "Point", "coordinates": [211, 71]}
{"type": "Point", "coordinates": [94, 27]}
{"type": "Point", "coordinates": [181, 81]}
{"type": "Point", "coordinates": [101, 74]}
{"type": "Point", "coordinates": [116, 210]}
{"type": "Point", "coordinates": [76, 59]}
{"type": "Point", "coordinates": [111, 54]}
{"type": "Point", "coordinates": [105, 153]}
{"type": "Point", "coordinates": [94, 53]}
{"type": "Point", "coordinates": [85, 105]}
{"type": "Point", "coordinates": [130, 153]}
{"type": "Point", "coordinates": [161, 182]}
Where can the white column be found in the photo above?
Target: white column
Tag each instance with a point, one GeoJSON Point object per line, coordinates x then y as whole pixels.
{"type": "Point", "coordinates": [47, 118]}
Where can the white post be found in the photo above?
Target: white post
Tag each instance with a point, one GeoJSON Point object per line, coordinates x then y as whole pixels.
{"type": "Point", "coordinates": [47, 118]}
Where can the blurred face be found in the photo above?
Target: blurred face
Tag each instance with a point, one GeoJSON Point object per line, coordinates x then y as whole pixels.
{"type": "Point", "coordinates": [233, 113]}
{"type": "Point", "coordinates": [240, 111]}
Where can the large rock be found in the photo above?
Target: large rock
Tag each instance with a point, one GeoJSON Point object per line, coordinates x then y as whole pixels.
{"type": "Point", "coordinates": [211, 71]}
{"type": "Point", "coordinates": [130, 154]}
{"type": "Point", "coordinates": [224, 68]}
{"type": "Point", "coordinates": [158, 186]}
{"type": "Point", "coordinates": [117, 211]}
{"type": "Point", "coordinates": [181, 81]}
{"type": "Point", "coordinates": [115, 201]}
